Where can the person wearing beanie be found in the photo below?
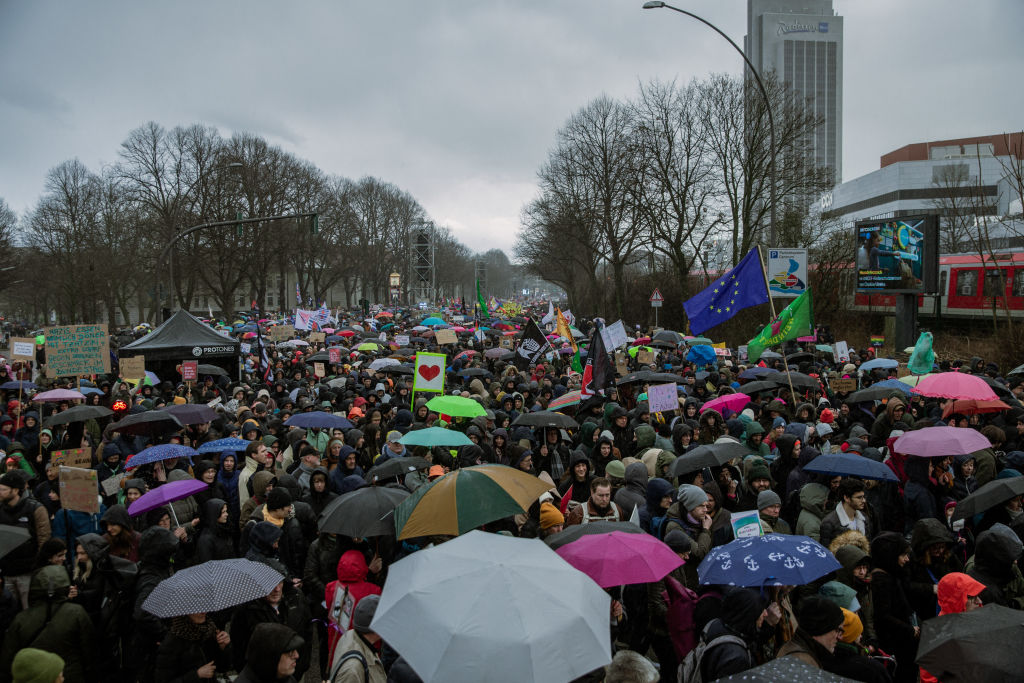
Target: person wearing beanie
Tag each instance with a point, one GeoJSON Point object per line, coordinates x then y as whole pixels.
{"type": "Point", "coordinates": [19, 509]}
{"type": "Point", "coordinates": [689, 514]}
{"type": "Point", "coordinates": [819, 625]}
{"type": "Point", "coordinates": [769, 505]}
{"type": "Point", "coordinates": [37, 666]}
{"type": "Point", "coordinates": [278, 511]}
{"type": "Point", "coordinates": [357, 659]}
{"type": "Point", "coordinates": [850, 658]}
{"type": "Point", "coordinates": [551, 520]}
{"type": "Point", "coordinates": [758, 479]}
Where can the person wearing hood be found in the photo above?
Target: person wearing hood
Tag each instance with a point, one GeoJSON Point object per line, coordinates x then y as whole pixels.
{"type": "Point", "coordinates": [552, 455]}
{"type": "Point", "coordinates": [995, 564]}
{"type": "Point", "coordinates": [604, 452]}
{"type": "Point", "coordinates": [282, 606]}
{"type": "Point", "coordinates": [895, 416]}
{"type": "Point", "coordinates": [964, 481]}
{"type": "Point", "coordinates": [500, 446]}
{"type": "Point", "coordinates": [227, 477]}
{"type": "Point", "coordinates": [634, 493]}
{"type": "Point", "coordinates": [758, 479]}
{"type": "Point", "coordinates": [100, 586]}
{"type": "Point", "coordinates": [347, 466]}
{"type": "Point", "coordinates": [357, 659]}
{"type": "Point", "coordinates": [272, 655]}
{"type": "Point", "coordinates": [53, 624]}
{"type": "Point", "coordinates": [157, 548]}
{"type": "Point", "coordinates": [194, 648]}
{"type": "Point", "coordinates": [28, 436]}
{"type": "Point", "coordinates": [789, 446]}
{"type": "Point", "coordinates": [659, 595]}
{"type": "Point", "coordinates": [956, 593]}
{"type": "Point", "coordinates": [850, 513]}
{"type": "Point", "coordinates": [820, 623]}
{"type": "Point", "coordinates": [343, 596]}
{"type": "Point", "coordinates": [812, 510]}
{"type": "Point", "coordinates": [575, 485]}
{"type": "Point", "coordinates": [279, 512]}
{"type": "Point", "coordinates": [855, 572]}
{"type": "Point", "coordinates": [262, 483]}
{"type": "Point", "coordinates": [933, 558]}
{"type": "Point", "coordinates": [120, 534]}
{"type": "Point", "coordinates": [753, 437]}
{"type": "Point", "coordinates": [895, 621]}
{"type": "Point", "coordinates": [738, 630]}
{"type": "Point", "coordinates": [214, 541]}
{"type": "Point", "coordinates": [918, 499]}
{"type": "Point", "coordinates": [206, 472]}
{"type": "Point", "coordinates": [320, 493]}
{"type": "Point", "coordinates": [658, 498]}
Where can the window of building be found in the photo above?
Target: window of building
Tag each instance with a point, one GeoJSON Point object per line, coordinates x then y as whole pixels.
{"type": "Point", "coordinates": [942, 282]}
{"type": "Point", "coordinates": [995, 282]}
{"type": "Point", "coordinates": [967, 283]}
{"type": "Point", "coordinates": [1018, 282]}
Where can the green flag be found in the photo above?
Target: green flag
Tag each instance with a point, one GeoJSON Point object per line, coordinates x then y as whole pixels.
{"type": "Point", "coordinates": [480, 300]}
{"type": "Point", "coordinates": [795, 320]}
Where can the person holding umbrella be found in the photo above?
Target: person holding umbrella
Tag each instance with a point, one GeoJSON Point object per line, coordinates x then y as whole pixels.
{"type": "Point", "coordinates": [193, 644]}
{"type": "Point", "coordinates": [283, 607]}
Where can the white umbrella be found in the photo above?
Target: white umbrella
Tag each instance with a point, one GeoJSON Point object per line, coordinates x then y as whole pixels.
{"type": "Point", "coordinates": [420, 328]}
{"type": "Point", "coordinates": [383, 363]}
{"type": "Point", "coordinates": [298, 342]}
{"type": "Point", "coordinates": [486, 607]}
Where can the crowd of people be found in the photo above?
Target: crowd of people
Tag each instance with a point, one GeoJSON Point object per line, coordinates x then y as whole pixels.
{"type": "Point", "coordinates": [72, 596]}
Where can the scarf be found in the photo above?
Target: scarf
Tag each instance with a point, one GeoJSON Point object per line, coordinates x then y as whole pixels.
{"type": "Point", "coordinates": [186, 629]}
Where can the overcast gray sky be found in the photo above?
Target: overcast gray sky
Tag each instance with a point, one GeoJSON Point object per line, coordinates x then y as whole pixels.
{"type": "Point", "coordinates": [456, 102]}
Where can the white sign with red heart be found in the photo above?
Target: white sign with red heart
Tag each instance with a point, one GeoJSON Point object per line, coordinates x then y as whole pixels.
{"type": "Point", "coordinates": [429, 373]}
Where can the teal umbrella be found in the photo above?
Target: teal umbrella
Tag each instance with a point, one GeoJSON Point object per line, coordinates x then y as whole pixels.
{"type": "Point", "coordinates": [433, 321]}
{"type": "Point", "coordinates": [435, 436]}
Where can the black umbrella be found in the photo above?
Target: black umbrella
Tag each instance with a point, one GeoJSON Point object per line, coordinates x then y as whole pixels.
{"type": "Point", "coordinates": [205, 369]}
{"type": "Point", "coordinates": [800, 380]}
{"type": "Point", "coordinates": [873, 394]}
{"type": "Point", "coordinates": [661, 344]}
{"type": "Point", "coordinates": [363, 513]}
{"type": "Point", "coordinates": [673, 338]}
{"type": "Point", "coordinates": [78, 413]}
{"type": "Point", "coordinates": [149, 423]}
{"type": "Point", "coordinates": [475, 372]}
{"type": "Point", "coordinates": [981, 645]}
{"type": "Point", "coordinates": [396, 467]}
{"type": "Point", "coordinates": [634, 377]}
{"type": "Point", "coordinates": [191, 413]}
{"type": "Point", "coordinates": [665, 378]}
{"type": "Point", "coordinates": [12, 537]}
{"type": "Point", "coordinates": [785, 670]}
{"type": "Point", "coordinates": [988, 496]}
{"type": "Point", "coordinates": [757, 386]}
{"type": "Point", "coordinates": [319, 357]}
{"type": "Point", "coordinates": [771, 355]}
{"type": "Point", "coordinates": [396, 370]}
{"type": "Point", "coordinates": [577, 531]}
{"type": "Point", "coordinates": [545, 418]}
{"type": "Point", "coordinates": [211, 587]}
{"type": "Point", "coordinates": [800, 356]}
{"type": "Point", "coordinates": [710, 455]}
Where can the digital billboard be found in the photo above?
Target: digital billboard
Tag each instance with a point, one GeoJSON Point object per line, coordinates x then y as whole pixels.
{"type": "Point", "coordinates": [897, 255]}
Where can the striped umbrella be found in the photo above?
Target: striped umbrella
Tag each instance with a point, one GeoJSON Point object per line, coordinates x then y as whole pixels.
{"type": "Point", "coordinates": [211, 587]}
{"type": "Point", "coordinates": [567, 399]}
{"type": "Point", "coordinates": [466, 499]}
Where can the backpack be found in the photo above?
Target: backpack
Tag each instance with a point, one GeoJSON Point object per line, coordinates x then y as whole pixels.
{"type": "Point", "coordinates": [690, 669]}
{"type": "Point", "coordinates": [679, 617]}
{"type": "Point", "coordinates": [351, 654]}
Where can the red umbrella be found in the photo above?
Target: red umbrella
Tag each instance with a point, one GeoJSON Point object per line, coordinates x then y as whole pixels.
{"type": "Point", "coordinates": [346, 333]}
{"type": "Point", "coordinates": [972, 406]}
{"type": "Point", "coordinates": [958, 385]}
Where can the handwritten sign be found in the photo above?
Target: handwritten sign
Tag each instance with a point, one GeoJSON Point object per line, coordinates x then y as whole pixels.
{"type": "Point", "coordinates": [402, 340]}
{"type": "Point", "coordinates": [844, 385]}
{"type": "Point", "coordinates": [133, 368]}
{"type": "Point", "coordinates": [644, 357]}
{"type": "Point", "coordinates": [318, 370]}
{"type": "Point", "coordinates": [79, 490]}
{"type": "Point", "coordinates": [446, 337]}
{"type": "Point", "coordinates": [662, 397]}
{"type": "Point", "coordinates": [77, 350]}
{"type": "Point", "coordinates": [244, 347]}
{"type": "Point", "coordinates": [112, 485]}
{"type": "Point", "coordinates": [282, 332]}
{"type": "Point", "coordinates": [317, 337]}
{"type": "Point", "coordinates": [74, 457]}
{"type": "Point", "coordinates": [23, 348]}
{"type": "Point", "coordinates": [190, 370]}
{"type": "Point", "coordinates": [621, 366]}
{"type": "Point", "coordinates": [334, 356]}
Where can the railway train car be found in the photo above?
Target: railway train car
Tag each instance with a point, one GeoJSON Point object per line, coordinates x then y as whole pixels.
{"type": "Point", "coordinates": [970, 287]}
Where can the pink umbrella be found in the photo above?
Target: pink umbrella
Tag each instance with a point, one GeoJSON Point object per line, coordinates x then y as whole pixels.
{"type": "Point", "coordinates": [57, 395]}
{"type": "Point", "coordinates": [249, 335]}
{"type": "Point", "coordinates": [619, 558]}
{"type": "Point", "coordinates": [733, 402]}
{"type": "Point", "coordinates": [958, 385]}
{"type": "Point", "coordinates": [937, 442]}
{"type": "Point", "coordinates": [329, 330]}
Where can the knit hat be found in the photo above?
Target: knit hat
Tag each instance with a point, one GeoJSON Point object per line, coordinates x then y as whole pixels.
{"type": "Point", "coordinates": [852, 626]}
{"type": "Point", "coordinates": [778, 422]}
{"type": "Point", "coordinates": [759, 471]}
{"type": "Point", "coordinates": [691, 496]}
{"type": "Point", "coordinates": [817, 615]}
{"type": "Point", "coordinates": [615, 469]}
{"type": "Point", "coordinates": [678, 541]}
{"type": "Point", "coordinates": [827, 416]}
{"type": "Point", "coordinates": [278, 498]}
{"type": "Point", "coordinates": [767, 498]}
{"type": "Point", "coordinates": [550, 516]}
{"type": "Point", "coordinates": [363, 615]}
{"type": "Point", "coordinates": [394, 435]}
{"type": "Point", "coordinates": [849, 367]}
{"type": "Point", "coordinates": [12, 480]}
{"type": "Point", "coordinates": [36, 666]}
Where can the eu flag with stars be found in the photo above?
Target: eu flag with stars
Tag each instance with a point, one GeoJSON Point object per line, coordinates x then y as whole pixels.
{"type": "Point", "coordinates": [739, 288]}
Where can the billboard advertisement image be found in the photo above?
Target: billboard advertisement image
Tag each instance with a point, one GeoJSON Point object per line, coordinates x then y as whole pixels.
{"type": "Point", "coordinates": [897, 255]}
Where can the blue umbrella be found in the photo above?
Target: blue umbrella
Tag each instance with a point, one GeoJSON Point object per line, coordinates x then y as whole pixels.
{"type": "Point", "coordinates": [318, 419]}
{"type": "Point", "coordinates": [893, 384]}
{"type": "Point", "coordinates": [221, 445]}
{"type": "Point", "coordinates": [433, 321]}
{"type": "Point", "coordinates": [163, 451]}
{"type": "Point", "coordinates": [885, 363]}
{"type": "Point", "coordinates": [87, 390]}
{"type": "Point", "coordinates": [701, 354]}
{"type": "Point", "coordinates": [851, 466]}
{"type": "Point", "coordinates": [771, 560]}
{"type": "Point", "coordinates": [332, 338]}
{"type": "Point", "coordinates": [24, 385]}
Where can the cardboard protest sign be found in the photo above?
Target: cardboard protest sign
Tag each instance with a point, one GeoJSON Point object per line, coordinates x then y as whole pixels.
{"type": "Point", "coordinates": [334, 355]}
{"type": "Point", "coordinates": [132, 368]}
{"type": "Point", "coordinates": [190, 371]}
{"type": "Point", "coordinates": [24, 348]}
{"type": "Point", "coordinates": [112, 485]}
{"type": "Point", "coordinates": [315, 337]}
{"type": "Point", "coordinates": [282, 332]}
{"type": "Point", "coordinates": [446, 337]}
{"type": "Point", "coordinates": [644, 357]}
{"type": "Point", "coordinates": [662, 397]}
{"type": "Point", "coordinates": [318, 370]}
{"type": "Point", "coordinates": [74, 457]}
{"type": "Point", "coordinates": [79, 490]}
{"type": "Point", "coordinates": [843, 385]}
{"type": "Point", "coordinates": [77, 350]}
{"type": "Point", "coordinates": [507, 343]}
{"type": "Point", "coordinates": [621, 366]}
{"type": "Point", "coordinates": [429, 373]}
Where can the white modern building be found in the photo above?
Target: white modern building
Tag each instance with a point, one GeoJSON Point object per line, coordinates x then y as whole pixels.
{"type": "Point", "coordinates": [802, 41]}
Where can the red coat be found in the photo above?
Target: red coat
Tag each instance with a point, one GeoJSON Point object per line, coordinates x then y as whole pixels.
{"type": "Point", "coordinates": [352, 571]}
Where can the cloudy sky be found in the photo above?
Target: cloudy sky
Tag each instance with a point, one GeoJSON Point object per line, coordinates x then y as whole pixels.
{"type": "Point", "coordinates": [457, 102]}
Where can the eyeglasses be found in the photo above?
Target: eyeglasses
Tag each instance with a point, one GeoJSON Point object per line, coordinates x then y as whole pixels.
{"type": "Point", "coordinates": [974, 599]}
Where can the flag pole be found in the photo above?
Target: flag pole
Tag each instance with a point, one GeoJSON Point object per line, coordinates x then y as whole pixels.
{"type": "Point", "coordinates": [771, 302]}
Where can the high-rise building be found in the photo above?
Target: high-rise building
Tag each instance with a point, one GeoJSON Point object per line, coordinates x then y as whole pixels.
{"type": "Point", "coordinates": [802, 41]}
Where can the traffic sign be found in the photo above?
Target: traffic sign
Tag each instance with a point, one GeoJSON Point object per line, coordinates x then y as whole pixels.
{"type": "Point", "coordinates": [656, 299]}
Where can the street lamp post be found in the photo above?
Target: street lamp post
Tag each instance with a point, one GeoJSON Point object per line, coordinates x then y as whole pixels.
{"type": "Point", "coordinates": [656, 4]}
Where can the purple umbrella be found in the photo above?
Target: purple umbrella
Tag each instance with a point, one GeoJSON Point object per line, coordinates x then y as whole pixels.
{"type": "Point", "coordinates": [57, 395]}
{"type": "Point", "coordinates": [938, 442]}
{"type": "Point", "coordinates": [618, 558]}
{"type": "Point", "coordinates": [164, 495]}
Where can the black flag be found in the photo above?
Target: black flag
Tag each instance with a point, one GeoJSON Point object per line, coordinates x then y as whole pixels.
{"type": "Point", "coordinates": [533, 345]}
{"type": "Point", "coordinates": [599, 372]}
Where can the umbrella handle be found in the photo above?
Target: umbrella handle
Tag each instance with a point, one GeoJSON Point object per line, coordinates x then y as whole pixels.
{"type": "Point", "coordinates": [173, 516]}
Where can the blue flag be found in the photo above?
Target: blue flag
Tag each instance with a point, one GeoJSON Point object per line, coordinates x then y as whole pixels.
{"type": "Point", "coordinates": [739, 288]}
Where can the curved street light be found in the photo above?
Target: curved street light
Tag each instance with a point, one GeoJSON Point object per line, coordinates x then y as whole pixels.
{"type": "Point", "coordinates": [656, 4]}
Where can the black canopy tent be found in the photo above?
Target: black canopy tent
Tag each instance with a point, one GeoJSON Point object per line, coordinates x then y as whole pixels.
{"type": "Point", "coordinates": [184, 337]}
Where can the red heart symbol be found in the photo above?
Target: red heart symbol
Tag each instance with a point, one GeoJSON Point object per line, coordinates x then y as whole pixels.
{"type": "Point", "coordinates": [429, 372]}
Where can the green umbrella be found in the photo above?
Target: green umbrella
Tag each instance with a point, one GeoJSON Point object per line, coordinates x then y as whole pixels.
{"type": "Point", "coordinates": [456, 406]}
{"type": "Point", "coordinates": [825, 348]}
{"type": "Point", "coordinates": [633, 350]}
{"type": "Point", "coordinates": [368, 346]}
{"type": "Point", "coordinates": [699, 340]}
{"type": "Point", "coordinates": [435, 436]}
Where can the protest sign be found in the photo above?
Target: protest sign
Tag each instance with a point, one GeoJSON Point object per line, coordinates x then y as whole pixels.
{"type": "Point", "coordinates": [746, 524]}
{"type": "Point", "coordinates": [446, 337]}
{"type": "Point", "coordinates": [506, 343]}
{"type": "Point", "coordinates": [244, 347]}
{"type": "Point", "coordinates": [429, 373]}
{"type": "Point", "coordinates": [662, 397]}
{"type": "Point", "coordinates": [334, 356]}
{"type": "Point", "coordinates": [317, 337]}
{"type": "Point", "coordinates": [77, 350]}
{"type": "Point", "coordinates": [621, 366]}
{"type": "Point", "coordinates": [614, 335]}
{"type": "Point", "coordinates": [79, 490]}
{"type": "Point", "coordinates": [189, 370]}
{"type": "Point", "coordinates": [112, 485]}
{"type": "Point", "coordinates": [318, 370]}
{"type": "Point", "coordinates": [644, 357]}
{"type": "Point", "coordinates": [132, 368]}
{"type": "Point", "coordinates": [402, 340]}
{"type": "Point", "coordinates": [842, 352]}
{"type": "Point", "coordinates": [73, 457]}
{"type": "Point", "coordinates": [24, 348]}
{"type": "Point", "coordinates": [282, 332]}
{"type": "Point", "coordinates": [844, 385]}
